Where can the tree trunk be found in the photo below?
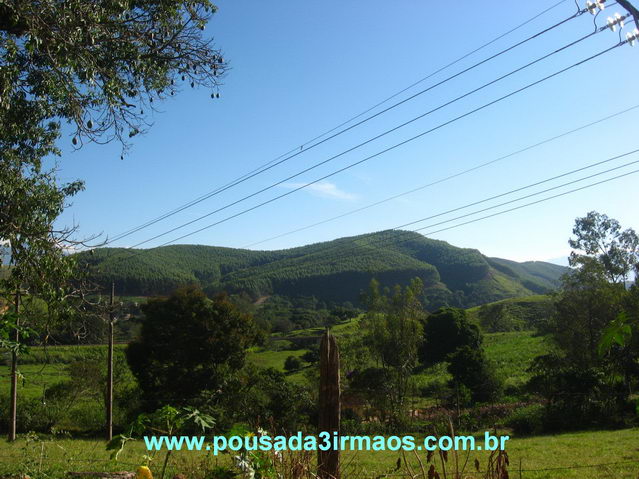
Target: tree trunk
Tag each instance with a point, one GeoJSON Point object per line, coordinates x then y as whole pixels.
{"type": "Point", "coordinates": [13, 408]}
{"type": "Point", "coordinates": [329, 406]}
{"type": "Point", "coordinates": [109, 392]}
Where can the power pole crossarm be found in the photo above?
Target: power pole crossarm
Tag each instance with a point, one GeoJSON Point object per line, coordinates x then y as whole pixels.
{"type": "Point", "coordinates": [632, 10]}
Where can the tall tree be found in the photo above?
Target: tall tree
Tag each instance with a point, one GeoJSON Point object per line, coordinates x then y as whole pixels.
{"type": "Point", "coordinates": [592, 295]}
{"type": "Point", "coordinates": [100, 66]}
{"type": "Point", "coordinates": [590, 376]}
{"type": "Point", "coordinates": [600, 241]}
{"type": "Point", "coordinates": [392, 330]}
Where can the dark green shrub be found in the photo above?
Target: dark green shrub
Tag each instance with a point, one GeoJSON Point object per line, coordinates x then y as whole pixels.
{"type": "Point", "coordinates": [527, 420]}
{"type": "Point", "coordinates": [292, 363]}
{"type": "Point", "coordinates": [444, 332]}
{"type": "Point", "coordinates": [471, 368]}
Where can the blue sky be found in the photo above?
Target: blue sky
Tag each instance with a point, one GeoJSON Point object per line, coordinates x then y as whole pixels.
{"type": "Point", "coordinates": [300, 68]}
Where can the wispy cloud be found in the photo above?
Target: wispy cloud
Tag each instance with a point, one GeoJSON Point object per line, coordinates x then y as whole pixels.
{"type": "Point", "coordinates": [324, 189]}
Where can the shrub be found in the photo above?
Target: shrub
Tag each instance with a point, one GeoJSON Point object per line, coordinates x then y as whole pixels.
{"type": "Point", "coordinates": [470, 368]}
{"type": "Point", "coordinates": [292, 363]}
{"type": "Point", "coordinates": [527, 420]}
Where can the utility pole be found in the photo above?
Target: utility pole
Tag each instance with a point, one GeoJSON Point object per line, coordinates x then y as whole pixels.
{"type": "Point", "coordinates": [109, 394]}
{"type": "Point", "coordinates": [328, 465]}
{"type": "Point", "coordinates": [631, 9]}
{"type": "Point", "coordinates": [13, 410]}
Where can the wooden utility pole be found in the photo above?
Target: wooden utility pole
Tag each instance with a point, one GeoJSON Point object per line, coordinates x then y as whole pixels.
{"type": "Point", "coordinates": [631, 9]}
{"type": "Point", "coordinates": [13, 408]}
{"type": "Point", "coordinates": [329, 406]}
{"type": "Point", "coordinates": [109, 392]}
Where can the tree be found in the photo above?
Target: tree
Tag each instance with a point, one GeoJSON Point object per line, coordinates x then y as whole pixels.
{"type": "Point", "coordinates": [470, 368]}
{"type": "Point", "coordinates": [264, 397]}
{"type": "Point", "coordinates": [589, 379]}
{"type": "Point", "coordinates": [188, 344]}
{"type": "Point", "coordinates": [392, 331]}
{"type": "Point", "coordinates": [99, 66]}
{"type": "Point", "coordinates": [445, 331]}
{"type": "Point", "coordinates": [599, 240]}
{"type": "Point", "coordinates": [102, 64]}
{"type": "Point", "coordinates": [587, 303]}
{"type": "Point", "coordinates": [592, 294]}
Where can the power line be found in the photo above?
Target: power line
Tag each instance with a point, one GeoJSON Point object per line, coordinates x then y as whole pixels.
{"type": "Point", "coordinates": [379, 241]}
{"type": "Point", "coordinates": [397, 145]}
{"type": "Point", "coordinates": [294, 153]}
{"type": "Point", "coordinates": [447, 178]}
{"type": "Point", "coordinates": [538, 201]}
{"type": "Point", "coordinates": [529, 186]}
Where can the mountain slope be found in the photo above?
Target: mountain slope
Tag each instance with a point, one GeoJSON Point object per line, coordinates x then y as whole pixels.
{"type": "Point", "coordinates": [335, 270]}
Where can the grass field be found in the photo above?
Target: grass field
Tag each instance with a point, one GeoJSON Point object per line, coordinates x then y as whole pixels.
{"type": "Point", "coordinates": [574, 455]}
{"type": "Point", "coordinates": [43, 367]}
{"type": "Point", "coordinates": [513, 353]}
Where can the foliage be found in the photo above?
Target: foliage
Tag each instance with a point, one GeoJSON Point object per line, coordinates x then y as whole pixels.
{"type": "Point", "coordinates": [445, 331]}
{"type": "Point", "coordinates": [332, 272]}
{"type": "Point", "coordinates": [188, 344]}
{"type": "Point", "coordinates": [527, 421]}
{"type": "Point", "coordinates": [578, 397]}
{"type": "Point", "coordinates": [517, 314]}
{"type": "Point", "coordinates": [292, 363]}
{"type": "Point", "coordinates": [392, 331]}
{"type": "Point", "coordinates": [589, 379]}
{"type": "Point", "coordinates": [470, 368]}
{"type": "Point", "coordinates": [99, 65]}
{"type": "Point", "coordinates": [599, 240]}
{"type": "Point", "coordinates": [263, 397]}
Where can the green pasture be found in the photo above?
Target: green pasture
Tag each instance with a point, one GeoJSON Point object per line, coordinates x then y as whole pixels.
{"type": "Point", "coordinates": [583, 455]}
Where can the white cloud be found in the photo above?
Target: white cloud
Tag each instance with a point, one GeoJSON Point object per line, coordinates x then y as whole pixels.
{"type": "Point", "coordinates": [324, 189]}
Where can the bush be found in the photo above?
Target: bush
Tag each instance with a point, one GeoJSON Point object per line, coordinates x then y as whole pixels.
{"type": "Point", "coordinates": [292, 363]}
{"type": "Point", "coordinates": [445, 331]}
{"type": "Point", "coordinates": [32, 415]}
{"type": "Point", "coordinates": [527, 420]}
{"type": "Point", "coordinates": [470, 368]}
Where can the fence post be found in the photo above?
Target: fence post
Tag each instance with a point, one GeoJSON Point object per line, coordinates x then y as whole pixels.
{"type": "Point", "coordinates": [329, 406]}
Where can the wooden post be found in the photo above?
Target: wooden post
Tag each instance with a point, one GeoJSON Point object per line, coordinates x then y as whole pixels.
{"type": "Point", "coordinates": [13, 408]}
{"type": "Point", "coordinates": [329, 406]}
{"type": "Point", "coordinates": [109, 392]}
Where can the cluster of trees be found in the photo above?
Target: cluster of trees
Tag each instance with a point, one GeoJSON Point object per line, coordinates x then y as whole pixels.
{"type": "Point", "coordinates": [591, 378]}
{"type": "Point", "coordinates": [191, 352]}
{"type": "Point", "coordinates": [397, 337]}
{"type": "Point", "coordinates": [281, 314]}
{"type": "Point", "coordinates": [334, 271]}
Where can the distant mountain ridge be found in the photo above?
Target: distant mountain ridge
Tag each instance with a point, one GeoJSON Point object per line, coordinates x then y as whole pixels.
{"type": "Point", "coordinates": [335, 271]}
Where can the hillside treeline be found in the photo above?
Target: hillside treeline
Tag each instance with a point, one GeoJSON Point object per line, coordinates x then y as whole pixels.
{"type": "Point", "coordinates": [335, 271]}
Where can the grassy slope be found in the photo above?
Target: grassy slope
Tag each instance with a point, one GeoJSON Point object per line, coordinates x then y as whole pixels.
{"type": "Point", "coordinates": [43, 367]}
{"type": "Point", "coordinates": [513, 353]}
{"type": "Point", "coordinates": [536, 298]}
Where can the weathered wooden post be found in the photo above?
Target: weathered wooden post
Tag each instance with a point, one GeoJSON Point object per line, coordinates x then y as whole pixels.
{"type": "Point", "coordinates": [329, 405]}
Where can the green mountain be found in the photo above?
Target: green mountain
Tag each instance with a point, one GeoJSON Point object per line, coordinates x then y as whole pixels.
{"type": "Point", "coordinates": [337, 270]}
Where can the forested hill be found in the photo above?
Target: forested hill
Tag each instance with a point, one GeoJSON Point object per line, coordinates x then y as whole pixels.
{"type": "Point", "coordinates": [337, 270]}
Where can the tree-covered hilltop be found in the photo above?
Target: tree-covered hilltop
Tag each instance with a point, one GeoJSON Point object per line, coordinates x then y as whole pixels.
{"type": "Point", "coordinates": [336, 271]}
